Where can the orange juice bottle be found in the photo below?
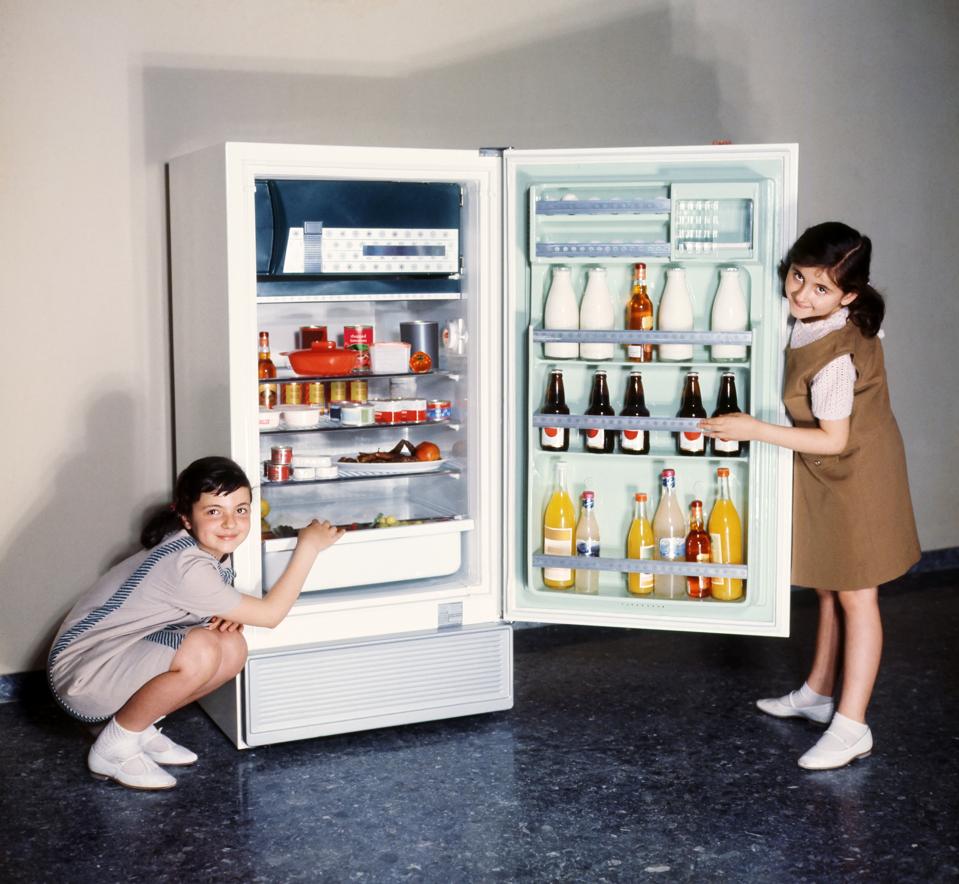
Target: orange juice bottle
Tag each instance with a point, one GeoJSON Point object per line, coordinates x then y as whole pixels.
{"type": "Point", "coordinates": [640, 545]}
{"type": "Point", "coordinates": [726, 535]}
{"type": "Point", "coordinates": [559, 523]}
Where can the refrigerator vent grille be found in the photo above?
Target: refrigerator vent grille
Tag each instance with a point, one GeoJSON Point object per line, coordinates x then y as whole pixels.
{"type": "Point", "coordinates": [378, 683]}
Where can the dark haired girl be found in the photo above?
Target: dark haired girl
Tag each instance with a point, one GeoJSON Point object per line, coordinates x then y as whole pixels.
{"type": "Point", "coordinates": [849, 465]}
{"type": "Point", "coordinates": [164, 627]}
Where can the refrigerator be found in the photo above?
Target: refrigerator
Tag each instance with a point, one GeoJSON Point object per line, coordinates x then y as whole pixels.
{"type": "Point", "coordinates": [409, 616]}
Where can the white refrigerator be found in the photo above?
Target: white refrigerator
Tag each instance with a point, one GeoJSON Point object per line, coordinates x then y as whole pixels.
{"type": "Point", "coordinates": [407, 618]}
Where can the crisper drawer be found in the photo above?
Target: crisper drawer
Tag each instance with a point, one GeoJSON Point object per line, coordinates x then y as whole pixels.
{"type": "Point", "coordinates": [379, 555]}
{"type": "Point", "coordinates": [349, 686]}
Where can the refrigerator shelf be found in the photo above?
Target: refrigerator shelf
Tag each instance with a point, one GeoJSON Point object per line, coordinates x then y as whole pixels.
{"type": "Point", "coordinates": [619, 336]}
{"type": "Point", "coordinates": [571, 251]}
{"type": "Point", "coordinates": [666, 455]}
{"type": "Point", "coordinates": [332, 427]}
{"type": "Point", "coordinates": [597, 207]}
{"type": "Point", "coordinates": [614, 422]}
{"type": "Point", "coordinates": [442, 471]}
{"type": "Point", "coordinates": [648, 566]}
{"type": "Point", "coordinates": [288, 376]}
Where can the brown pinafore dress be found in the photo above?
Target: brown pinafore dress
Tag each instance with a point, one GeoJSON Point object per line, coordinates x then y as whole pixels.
{"type": "Point", "coordinates": [853, 525]}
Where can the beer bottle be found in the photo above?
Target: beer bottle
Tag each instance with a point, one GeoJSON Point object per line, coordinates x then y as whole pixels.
{"type": "Point", "coordinates": [598, 439]}
{"type": "Point", "coordinates": [265, 371]}
{"type": "Point", "coordinates": [697, 550]}
{"type": "Point", "coordinates": [554, 438]}
{"type": "Point", "coordinates": [726, 403]}
{"type": "Point", "coordinates": [639, 316]}
{"type": "Point", "coordinates": [691, 442]}
{"type": "Point", "coordinates": [634, 405]}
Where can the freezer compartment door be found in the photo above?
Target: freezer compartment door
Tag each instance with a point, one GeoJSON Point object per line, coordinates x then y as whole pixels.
{"type": "Point", "coordinates": [341, 687]}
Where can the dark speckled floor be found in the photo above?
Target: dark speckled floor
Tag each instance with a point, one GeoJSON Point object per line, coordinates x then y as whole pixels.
{"type": "Point", "coordinates": [629, 756]}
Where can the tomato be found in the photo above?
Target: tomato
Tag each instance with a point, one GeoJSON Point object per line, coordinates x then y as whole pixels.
{"type": "Point", "coordinates": [420, 362]}
{"type": "Point", "coordinates": [427, 451]}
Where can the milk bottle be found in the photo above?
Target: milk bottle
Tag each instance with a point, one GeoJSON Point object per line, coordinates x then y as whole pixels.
{"type": "Point", "coordinates": [561, 312]}
{"type": "Point", "coordinates": [729, 314]}
{"type": "Point", "coordinates": [675, 314]}
{"type": "Point", "coordinates": [596, 312]}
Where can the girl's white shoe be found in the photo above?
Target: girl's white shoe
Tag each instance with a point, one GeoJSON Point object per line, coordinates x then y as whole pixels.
{"type": "Point", "coordinates": [135, 772]}
{"type": "Point", "coordinates": [792, 706]}
{"type": "Point", "coordinates": [844, 741]}
{"type": "Point", "coordinates": [163, 750]}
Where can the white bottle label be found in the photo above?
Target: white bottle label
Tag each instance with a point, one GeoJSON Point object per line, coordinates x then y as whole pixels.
{"type": "Point", "coordinates": [551, 437]}
{"type": "Point", "coordinates": [716, 557]}
{"type": "Point", "coordinates": [558, 542]}
{"type": "Point", "coordinates": [646, 580]}
{"type": "Point", "coordinates": [693, 442]}
{"type": "Point", "coordinates": [595, 438]}
{"type": "Point", "coordinates": [633, 440]}
{"type": "Point", "coordinates": [672, 549]}
{"type": "Point", "coordinates": [729, 446]}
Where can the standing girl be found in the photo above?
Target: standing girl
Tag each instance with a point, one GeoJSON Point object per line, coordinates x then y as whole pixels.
{"type": "Point", "coordinates": [849, 465]}
{"type": "Point", "coordinates": [164, 627]}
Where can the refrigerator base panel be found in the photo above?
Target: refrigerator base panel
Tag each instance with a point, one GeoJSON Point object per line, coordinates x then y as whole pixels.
{"type": "Point", "coordinates": [350, 686]}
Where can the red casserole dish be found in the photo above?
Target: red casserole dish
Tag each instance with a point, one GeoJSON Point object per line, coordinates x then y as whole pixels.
{"type": "Point", "coordinates": [323, 358]}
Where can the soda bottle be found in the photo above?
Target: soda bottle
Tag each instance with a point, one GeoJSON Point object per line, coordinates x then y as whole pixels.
{"type": "Point", "coordinates": [266, 370]}
{"type": "Point", "coordinates": [729, 313]}
{"type": "Point", "coordinates": [676, 314]}
{"type": "Point", "coordinates": [596, 312]}
{"type": "Point", "coordinates": [634, 405]}
{"type": "Point", "coordinates": [554, 438]}
{"type": "Point", "coordinates": [726, 403]}
{"type": "Point", "coordinates": [639, 316]}
{"type": "Point", "coordinates": [596, 438]}
{"type": "Point", "coordinates": [639, 545]}
{"type": "Point", "coordinates": [691, 442]}
{"type": "Point", "coordinates": [561, 313]}
{"type": "Point", "coordinates": [697, 550]}
{"type": "Point", "coordinates": [726, 540]}
{"type": "Point", "coordinates": [587, 544]}
{"type": "Point", "coordinates": [558, 525]}
{"type": "Point", "coordinates": [669, 537]}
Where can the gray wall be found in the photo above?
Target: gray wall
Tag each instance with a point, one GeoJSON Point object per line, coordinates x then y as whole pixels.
{"type": "Point", "coordinates": [96, 96]}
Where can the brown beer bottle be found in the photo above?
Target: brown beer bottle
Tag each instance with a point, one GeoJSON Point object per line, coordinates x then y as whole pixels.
{"type": "Point", "coordinates": [691, 442]}
{"type": "Point", "coordinates": [554, 438]}
{"type": "Point", "coordinates": [697, 550]}
{"type": "Point", "coordinates": [266, 370]}
{"type": "Point", "coordinates": [726, 403]}
{"type": "Point", "coordinates": [639, 316]}
{"type": "Point", "coordinates": [634, 405]}
{"type": "Point", "coordinates": [598, 439]}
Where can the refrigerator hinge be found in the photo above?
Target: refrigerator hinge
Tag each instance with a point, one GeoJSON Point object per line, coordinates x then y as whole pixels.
{"type": "Point", "coordinates": [450, 614]}
{"type": "Point", "coordinates": [462, 197]}
{"type": "Point", "coordinates": [492, 151]}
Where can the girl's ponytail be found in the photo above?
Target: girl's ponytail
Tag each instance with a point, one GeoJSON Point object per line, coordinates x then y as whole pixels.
{"type": "Point", "coordinates": [163, 521]}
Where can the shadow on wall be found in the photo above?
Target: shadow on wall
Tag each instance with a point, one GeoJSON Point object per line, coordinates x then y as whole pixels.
{"type": "Point", "coordinates": [95, 477]}
{"type": "Point", "coordinates": [620, 84]}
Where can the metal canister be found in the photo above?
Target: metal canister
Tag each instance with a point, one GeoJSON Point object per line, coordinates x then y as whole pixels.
{"type": "Point", "coordinates": [359, 391]}
{"type": "Point", "coordinates": [281, 454]}
{"type": "Point", "coordinates": [439, 410]}
{"type": "Point", "coordinates": [337, 391]}
{"type": "Point", "coordinates": [291, 394]}
{"type": "Point", "coordinates": [315, 393]}
{"type": "Point", "coordinates": [359, 338]}
{"type": "Point", "coordinates": [278, 472]}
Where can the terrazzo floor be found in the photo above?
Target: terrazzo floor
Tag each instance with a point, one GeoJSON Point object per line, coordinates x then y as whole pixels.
{"type": "Point", "coordinates": [629, 756]}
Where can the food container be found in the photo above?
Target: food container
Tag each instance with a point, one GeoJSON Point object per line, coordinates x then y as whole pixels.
{"type": "Point", "coordinates": [314, 393]}
{"type": "Point", "coordinates": [391, 357]}
{"type": "Point", "coordinates": [399, 411]}
{"type": "Point", "coordinates": [338, 391]}
{"type": "Point", "coordinates": [278, 472]}
{"type": "Point", "coordinates": [304, 474]}
{"type": "Point", "coordinates": [360, 339]}
{"type": "Point", "coordinates": [311, 333]}
{"type": "Point", "coordinates": [356, 414]}
{"type": "Point", "coordinates": [330, 472]}
{"type": "Point", "coordinates": [359, 391]}
{"type": "Point", "coordinates": [269, 419]}
{"type": "Point", "coordinates": [281, 454]}
{"type": "Point", "coordinates": [323, 358]}
{"type": "Point", "coordinates": [423, 337]}
{"type": "Point", "coordinates": [291, 394]}
{"type": "Point", "coordinates": [439, 410]}
{"type": "Point", "coordinates": [312, 460]}
{"type": "Point", "coordinates": [300, 416]}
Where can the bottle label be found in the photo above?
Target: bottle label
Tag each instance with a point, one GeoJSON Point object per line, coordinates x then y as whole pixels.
{"type": "Point", "coordinates": [595, 438]}
{"type": "Point", "coordinates": [635, 351]}
{"type": "Point", "coordinates": [672, 549]}
{"type": "Point", "coordinates": [730, 447]}
{"type": "Point", "coordinates": [716, 557]}
{"type": "Point", "coordinates": [646, 580]}
{"type": "Point", "coordinates": [558, 542]}
{"type": "Point", "coordinates": [702, 557]}
{"type": "Point", "coordinates": [694, 442]}
{"type": "Point", "coordinates": [588, 547]}
{"type": "Point", "coordinates": [633, 440]}
{"type": "Point", "coordinates": [551, 437]}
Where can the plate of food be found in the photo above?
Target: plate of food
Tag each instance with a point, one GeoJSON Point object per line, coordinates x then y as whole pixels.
{"type": "Point", "coordinates": [404, 457]}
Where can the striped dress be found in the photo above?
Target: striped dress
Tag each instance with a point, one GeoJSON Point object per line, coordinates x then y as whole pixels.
{"type": "Point", "coordinates": [127, 628]}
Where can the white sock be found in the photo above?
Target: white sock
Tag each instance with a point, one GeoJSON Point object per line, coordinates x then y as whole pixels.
{"type": "Point", "coordinates": [116, 741]}
{"type": "Point", "coordinates": [847, 729]}
{"type": "Point", "coordinates": [806, 696]}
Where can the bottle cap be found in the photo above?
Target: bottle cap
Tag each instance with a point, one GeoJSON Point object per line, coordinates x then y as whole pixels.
{"type": "Point", "coordinates": [597, 270]}
{"type": "Point", "coordinates": [668, 474]}
{"type": "Point", "coordinates": [722, 472]}
{"type": "Point", "coordinates": [636, 371]}
{"type": "Point", "coordinates": [601, 371]}
{"type": "Point", "coordinates": [587, 495]}
{"type": "Point", "coordinates": [692, 374]}
{"type": "Point", "coordinates": [640, 496]}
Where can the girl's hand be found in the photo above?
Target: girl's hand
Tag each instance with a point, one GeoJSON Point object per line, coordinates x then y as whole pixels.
{"type": "Point", "coordinates": [319, 535]}
{"type": "Point", "coordinates": [731, 427]}
{"type": "Point", "coordinates": [219, 624]}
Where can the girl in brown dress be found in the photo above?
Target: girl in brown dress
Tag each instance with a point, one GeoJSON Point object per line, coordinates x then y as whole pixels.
{"type": "Point", "coordinates": [853, 525]}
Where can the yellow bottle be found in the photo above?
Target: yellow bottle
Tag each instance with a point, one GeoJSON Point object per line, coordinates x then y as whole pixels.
{"type": "Point", "coordinates": [640, 545]}
{"type": "Point", "coordinates": [726, 538]}
{"type": "Point", "coordinates": [559, 523]}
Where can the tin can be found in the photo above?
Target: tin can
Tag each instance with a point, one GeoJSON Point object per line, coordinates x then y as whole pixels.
{"type": "Point", "coordinates": [337, 391]}
{"type": "Point", "coordinates": [359, 338]}
{"type": "Point", "coordinates": [278, 472]}
{"type": "Point", "coordinates": [359, 391]}
{"type": "Point", "coordinates": [291, 394]}
{"type": "Point", "coordinates": [439, 410]}
{"type": "Point", "coordinates": [281, 454]}
{"type": "Point", "coordinates": [311, 333]}
{"type": "Point", "coordinates": [315, 393]}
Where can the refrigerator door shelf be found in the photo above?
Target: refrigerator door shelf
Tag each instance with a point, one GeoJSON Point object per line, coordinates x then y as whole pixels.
{"type": "Point", "coordinates": [546, 335]}
{"type": "Point", "coordinates": [599, 563]}
{"type": "Point", "coordinates": [596, 421]}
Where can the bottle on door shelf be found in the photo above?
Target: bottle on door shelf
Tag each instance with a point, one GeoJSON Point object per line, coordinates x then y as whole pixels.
{"type": "Point", "coordinates": [597, 439]}
{"type": "Point", "coordinates": [596, 314]}
{"type": "Point", "coordinates": [639, 316]}
{"type": "Point", "coordinates": [639, 545]}
{"type": "Point", "coordinates": [697, 550]}
{"type": "Point", "coordinates": [727, 403]}
{"type": "Point", "coordinates": [554, 438]}
{"type": "Point", "coordinates": [726, 540]}
{"type": "Point", "coordinates": [675, 314]}
{"type": "Point", "coordinates": [729, 313]}
{"type": "Point", "coordinates": [691, 443]}
{"type": "Point", "coordinates": [669, 536]}
{"type": "Point", "coordinates": [561, 313]}
{"type": "Point", "coordinates": [587, 544]}
{"type": "Point", "coordinates": [266, 370]}
{"type": "Point", "coordinates": [558, 526]}
{"type": "Point", "coordinates": [634, 405]}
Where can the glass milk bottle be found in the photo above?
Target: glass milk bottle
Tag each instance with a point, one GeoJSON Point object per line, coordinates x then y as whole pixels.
{"type": "Point", "coordinates": [675, 314]}
{"type": "Point", "coordinates": [729, 314]}
{"type": "Point", "coordinates": [587, 544]}
{"type": "Point", "coordinates": [669, 535]}
{"type": "Point", "coordinates": [596, 313]}
{"type": "Point", "coordinates": [561, 313]}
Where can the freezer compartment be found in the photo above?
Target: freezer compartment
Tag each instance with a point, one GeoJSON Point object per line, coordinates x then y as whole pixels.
{"type": "Point", "coordinates": [714, 220]}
